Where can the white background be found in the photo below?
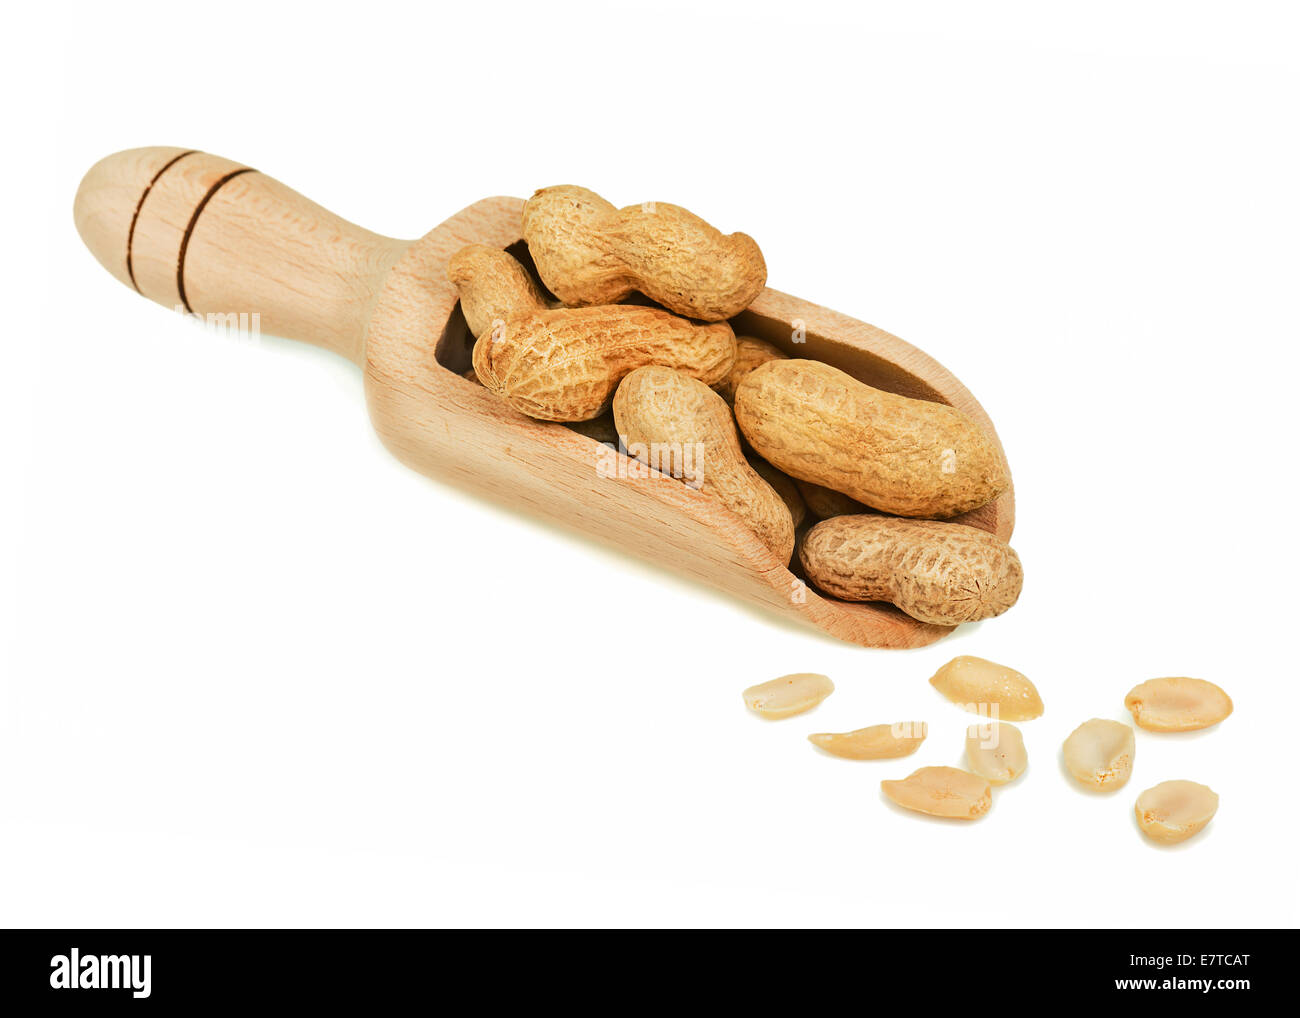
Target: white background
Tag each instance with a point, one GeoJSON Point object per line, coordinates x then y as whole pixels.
{"type": "Point", "coordinates": [255, 672]}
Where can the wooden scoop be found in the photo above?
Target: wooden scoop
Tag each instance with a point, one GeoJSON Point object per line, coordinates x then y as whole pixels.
{"type": "Point", "coordinates": [214, 237]}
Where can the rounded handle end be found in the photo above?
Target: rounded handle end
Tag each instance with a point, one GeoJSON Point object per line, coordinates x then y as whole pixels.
{"type": "Point", "coordinates": [111, 198]}
{"type": "Point", "coordinates": [211, 236]}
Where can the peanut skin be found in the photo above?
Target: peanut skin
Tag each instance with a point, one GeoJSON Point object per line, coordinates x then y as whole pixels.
{"type": "Point", "coordinates": [942, 792]}
{"type": "Point", "coordinates": [589, 252]}
{"type": "Point", "coordinates": [942, 573]}
{"type": "Point", "coordinates": [907, 457]}
{"type": "Point", "coordinates": [681, 426]}
{"type": "Point", "coordinates": [563, 364]}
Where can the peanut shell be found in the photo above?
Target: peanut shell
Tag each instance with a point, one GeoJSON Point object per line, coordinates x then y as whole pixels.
{"type": "Point", "coordinates": [907, 457]}
{"type": "Point", "coordinates": [563, 364]}
{"type": "Point", "coordinates": [750, 353]}
{"type": "Point", "coordinates": [589, 252]}
{"type": "Point", "coordinates": [826, 504]}
{"type": "Point", "coordinates": [493, 286]}
{"type": "Point", "coordinates": [783, 485]}
{"type": "Point", "coordinates": [943, 573]}
{"type": "Point", "coordinates": [680, 426]}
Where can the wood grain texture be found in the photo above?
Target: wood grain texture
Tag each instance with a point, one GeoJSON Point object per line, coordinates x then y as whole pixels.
{"type": "Point", "coordinates": [254, 247]}
{"type": "Point", "coordinates": [387, 305]}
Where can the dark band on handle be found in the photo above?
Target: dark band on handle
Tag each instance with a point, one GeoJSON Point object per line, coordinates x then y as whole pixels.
{"type": "Point", "coordinates": [189, 230]}
{"type": "Point", "coordinates": [130, 234]}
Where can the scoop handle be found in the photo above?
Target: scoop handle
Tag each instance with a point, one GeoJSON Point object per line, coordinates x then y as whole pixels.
{"type": "Point", "coordinates": [212, 237]}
